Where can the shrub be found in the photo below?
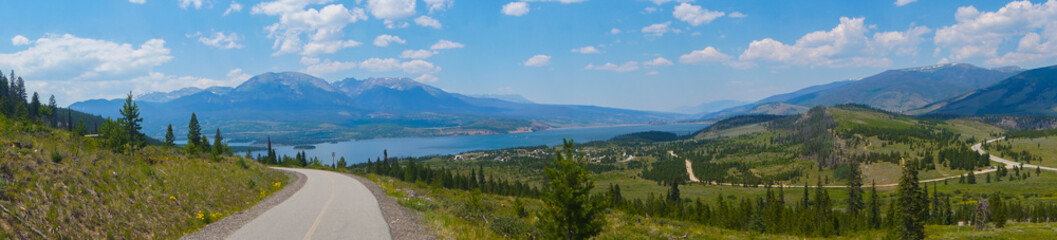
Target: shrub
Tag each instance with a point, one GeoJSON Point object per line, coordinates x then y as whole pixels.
{"type": "Point", "coordinates": [56, 157]}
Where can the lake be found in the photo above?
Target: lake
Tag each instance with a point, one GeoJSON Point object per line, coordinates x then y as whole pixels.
{"type": "Point", "coordinates": [360, 150]}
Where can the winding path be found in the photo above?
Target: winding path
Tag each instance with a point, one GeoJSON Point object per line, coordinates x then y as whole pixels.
{"type": "Point", "coordinates": [1008, 164]}
{"type": "Point", "coordinates": [329, 206]}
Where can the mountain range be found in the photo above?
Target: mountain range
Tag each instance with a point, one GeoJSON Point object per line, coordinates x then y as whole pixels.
{"type": "Point", "coordinates": [1032, 92]}
{"type": "Point", "coordinates": [899, 90]}
{"type": "Point", "coordinates": [290, 106]}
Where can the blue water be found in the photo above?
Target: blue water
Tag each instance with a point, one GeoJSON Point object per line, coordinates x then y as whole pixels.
{"type": "Point", "coordinates": [360, 150]}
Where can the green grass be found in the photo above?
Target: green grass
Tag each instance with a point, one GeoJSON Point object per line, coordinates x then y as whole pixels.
{"type": "Point", "coordinates": [97, 194]}
{"type": "Point", "coordinates": [1042, 147]}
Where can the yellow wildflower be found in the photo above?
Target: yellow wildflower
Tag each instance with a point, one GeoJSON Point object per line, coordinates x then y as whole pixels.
{"type": "Point", "coordinates": [200, 216]}
{"type": "Point", "coordinates": [171, 197]}
{"type": "Point", "coordinates": [277, 184]}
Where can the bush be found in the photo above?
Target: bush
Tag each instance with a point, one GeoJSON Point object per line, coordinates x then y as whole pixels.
{"type": "Point", "coordinates": [56, 157]}
{"type": "Point", "coordinates": [242, 163]}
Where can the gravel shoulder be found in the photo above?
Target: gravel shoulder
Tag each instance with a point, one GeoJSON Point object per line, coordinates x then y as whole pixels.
{"type": "Point", "coordinates": [403, 223]}
{"type": "Point", "coordinates": [225, 227]}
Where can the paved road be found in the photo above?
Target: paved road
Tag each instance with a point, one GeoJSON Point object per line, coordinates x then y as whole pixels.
{"type": "Point", "coordinates": [1009, 164]}
{"type": "Point", "coordinates": [329, 206]}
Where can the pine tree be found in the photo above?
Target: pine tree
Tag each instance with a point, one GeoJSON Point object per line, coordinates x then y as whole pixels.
{"type": "Point", "coordinates": [855, 192]}
{"type": "Point", "coordinates": [910, 225]}
{"type": "Point", "coordinates": [998, 210]}
{"type": "Point", "coordinates": [873, 212]}
{"type": "Point", "coordinates": [673, 193]}
{"type": "Point", "coordinates": [218, 143]}
{"type": "Point", "coordinates": [569, 212]}
{"type": "Point", "coordinates": [131, 120]}
{"type": "Point", "coordinates": [170, 139]}
{"type": "Point", "coordinates": [34, 107]}
{"type": "Point", "coordinates": [206, 147]}
{"type": "Point", "coordinates": [52, 111]}
{"type": "Point", "coordinates": [271, 152]}
{"type": "Point", "coordinates": [971, 179]}
{"type": "Point", "coordinates": [194, 135]}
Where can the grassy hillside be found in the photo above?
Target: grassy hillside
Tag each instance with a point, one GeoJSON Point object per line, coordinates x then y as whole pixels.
{"type": "Point", "coordinates": [59, 186]}
{"type": "Point", "coordinates": [736, 159]}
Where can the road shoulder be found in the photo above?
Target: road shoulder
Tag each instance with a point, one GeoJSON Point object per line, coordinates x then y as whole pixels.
{"type": "Point", "coordinates": [229, 225]}
{"type": "Point", "coordinates": [403, 224]}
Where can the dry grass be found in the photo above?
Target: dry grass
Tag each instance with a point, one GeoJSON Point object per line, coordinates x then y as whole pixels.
{"type": "Point", "coordinates": [96, 194]}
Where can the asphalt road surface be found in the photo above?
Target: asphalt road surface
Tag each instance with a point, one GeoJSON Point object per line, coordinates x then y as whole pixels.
{"type": "Point", "coordinates": [329, 206]}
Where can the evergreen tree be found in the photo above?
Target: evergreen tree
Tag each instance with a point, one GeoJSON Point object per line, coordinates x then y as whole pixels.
{"type": "Point", "coordinates": [998, 210]}
{"type": "Point", "coordinates": [206, 147]}
{"type": "Point", "coordinates": [569, 212]}
{"type": "Point", "coordinates": [131, 120]}
{"type": "Point", "coordinates": [673, 192]}
{"type": "Point", "coordinates": [218, 143]}
{"type": "Point", "coordinates": [34, 107]}
{"type": "Point", "coordinates": [53, 111]}
{"type": "Point", "coordinates": [855, 192]}
{"type": "Point", "coordinates": [170, 139]}
{"type": "Point", "coordinates": [909, 224]}
{"type": "Point", "coordinates": [971, 179]}
{"type": "Point", "coordinates": [194, 135]}
{"type": "Point", "coordinates": [873, 212]}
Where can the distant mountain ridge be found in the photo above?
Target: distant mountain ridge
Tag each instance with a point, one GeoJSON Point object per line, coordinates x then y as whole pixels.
{"type": "Point", "coordinates": [1033, 92]}
{"type": "Point", "coordinates": [298, 105]}
{"type": "Point", "coordinates": [897, 90]}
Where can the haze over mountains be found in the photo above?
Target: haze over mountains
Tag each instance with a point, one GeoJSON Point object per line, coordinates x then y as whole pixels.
{"type": "Point", "coordinates": [893, 90]}
{"type": "Point", "coordinates": [290, 105]}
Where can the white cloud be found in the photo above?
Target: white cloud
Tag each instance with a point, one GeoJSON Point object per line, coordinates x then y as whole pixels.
{"type": "Point", "coordinates": [326, 47]}
{"type": "Point", "coordinates": [614, 31]}
{"type": "Point", "coordinates": [659, 29]}
{"type": "Point", "coordinates": [695, 15]}
{"type": "Point", "coordinates": [380, 65]}
{"type": "Point", "coordinates": [979, 34]}
{"type": "Point", "coordinates": [236, 75]}
{"type": "Point", "coordinates": [391, 9]}
{"type": "Point", "coordinates": [391, 64]}
{"type": "Point", "coordinates": [19, 40]}
{"type": "Point", "coordinates": [652, 73]}
{"type": "Point", "coordinates": [445, 44]}
{"type": "Point", "coordinates": [649, 10]}
{"type": "Point", "coordinates": [426, 78]}
{"type": "Point", "coordinates": [561, 1]}
{"type": "Point", "coordinates": [659, 2]}
{"type": "Point", "coordinates": [659, 61]}
{"type": "Point", "coordinates": [900, 3]}
{"type": "Point", "coordinates": [234, 7]}
{"type": "Point", "coordinates": [54, 57]}
{"type": "Point", "coordinates": [390, 24]}
{"type": "Point", "coordinates": [322, 27]}
{"type": "Point", "coordinates": [384, 40]}
{"type": "Point", "coordinates": [187, 3]}
{"type": "Point", "coordinates": [427, 21]}
{"type": "Point", "coordinates": [419, 66]}
{"type": "Point", "coordinates": [316, 66]}
{"type": "Point", "coordinates": [845, 45]}
{"type": "Point", "coordinates": [221, 40]}
{"type": "Point", "coordinates": [737, 15]}
{"type": "Point", "coordinates": [626, 67]}
{"type": "Point", "coordinates": [417, 54]}
{"type": "Point", "coordinates": [586, 50]}
{"type": "Point", "coordinates": [537, 61]}
{"type": "Point", "coordinates": [516, 8]}
{"type": "Point", "coordinates": [438, 5]}
{"type": "Point", "coordinates": [138, 1]}
{"type": "Point", "coordinates": [709, 54]}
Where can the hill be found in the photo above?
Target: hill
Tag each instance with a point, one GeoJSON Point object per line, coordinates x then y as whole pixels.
{"type": "Point", "coordinates": [55, 185]}
{"type": "Point", "coordinates": [294, 107]}
{"type": "Point", "coordinates": [1033, 92]}
{"type": "Point", "coordinates": [893, 90]}
{"type": "Point", "coordinates": [911, 88]}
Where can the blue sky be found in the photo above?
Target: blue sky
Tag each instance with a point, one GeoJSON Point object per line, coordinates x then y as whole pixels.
{"type": "Point", "coordinates": [637, 54]}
